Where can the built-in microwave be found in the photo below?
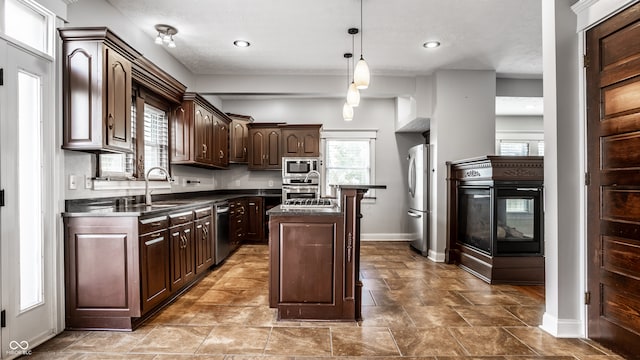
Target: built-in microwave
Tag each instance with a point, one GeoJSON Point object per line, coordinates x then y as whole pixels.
{"type": "Point", "coordinates": [299, 168]}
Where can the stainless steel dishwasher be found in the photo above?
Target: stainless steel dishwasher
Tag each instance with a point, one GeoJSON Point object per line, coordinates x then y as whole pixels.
{"type": "Point", "coordinates": [223, 244]}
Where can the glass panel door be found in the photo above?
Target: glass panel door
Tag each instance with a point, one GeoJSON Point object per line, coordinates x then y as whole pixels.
{"type": "Point", "coordinates": [30, 188]}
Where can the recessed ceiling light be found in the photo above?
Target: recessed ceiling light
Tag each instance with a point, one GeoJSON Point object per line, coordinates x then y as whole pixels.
{"type": "Point", "coordinates": [431, 44]}
{"type": "Point", "coordinates": [241, 43]}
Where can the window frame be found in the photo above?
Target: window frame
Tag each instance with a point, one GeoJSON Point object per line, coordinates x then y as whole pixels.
{"type": "Point", "coordinates": [49, 26]}
{"type": "Point", "coordinates": [141, 96]}
{"type": "Point", "coordinates": [353, 135]}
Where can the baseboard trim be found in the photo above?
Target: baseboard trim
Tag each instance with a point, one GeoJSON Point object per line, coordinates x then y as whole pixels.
{"type": "Point", "coordinates": [436, 256]}
{"type": "Point", "coordinates": [385, 237]}
{"type": "Point", "coordinates": [562, 328]}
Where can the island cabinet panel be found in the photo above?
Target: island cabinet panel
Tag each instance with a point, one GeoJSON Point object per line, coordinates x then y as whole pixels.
{"type": "Point", "coordinates": [101, 266]}
{"type": "Point", "coordinates": [307, 266]}
{"type": "Point", "coordinates": [303, 247]}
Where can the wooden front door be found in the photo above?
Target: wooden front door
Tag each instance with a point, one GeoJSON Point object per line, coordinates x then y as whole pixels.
{"type": "Point", "coordinates": [613, 141]}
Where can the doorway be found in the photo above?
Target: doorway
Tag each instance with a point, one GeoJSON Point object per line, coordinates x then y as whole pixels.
{"type": "Point", "coordinates": [27, 222]}
{"type": "Point", "coordinates": [613, 195]}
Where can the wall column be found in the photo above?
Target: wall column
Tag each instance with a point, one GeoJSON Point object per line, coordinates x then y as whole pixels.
{"type": "Point", "coordinates": [563, 172]}
{"type": "Point", "coordinates": [463, 126]}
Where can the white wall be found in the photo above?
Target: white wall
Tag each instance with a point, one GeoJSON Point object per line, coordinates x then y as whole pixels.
{"type": "Point", "coordinates": [519, 124]}
{"type": "Point", "coordinates": [101, 13]}
{"type": "Point", "coordinates": [563, 169]}
{"type": "Point", "coordinates": [383, 220]}
{"type": "Point", "coordinates": [463, 126]}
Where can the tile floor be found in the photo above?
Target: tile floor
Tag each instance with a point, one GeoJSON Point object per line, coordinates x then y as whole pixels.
{"type": "Point", "coordinates": [412, 308]}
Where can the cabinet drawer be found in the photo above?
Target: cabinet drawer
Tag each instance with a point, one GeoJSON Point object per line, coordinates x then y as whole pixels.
{"type": "Point", "coordinates": [149, 225]}
{"type": "Point", "coordinates": [180, 218]}
{"type": "Point", "coordinates": [203, 212]}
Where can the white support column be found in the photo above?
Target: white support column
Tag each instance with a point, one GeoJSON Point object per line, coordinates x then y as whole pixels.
{"type": "Point", "coordinates": [463, 126]}
{"type": "Point", "coordinates": [563, 172]}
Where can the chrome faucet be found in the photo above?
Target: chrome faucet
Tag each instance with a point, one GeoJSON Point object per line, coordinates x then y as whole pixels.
{"type": "Point", "coordinates": [147, 192]}
{"type": "Point", "coordinates": [306, 178]}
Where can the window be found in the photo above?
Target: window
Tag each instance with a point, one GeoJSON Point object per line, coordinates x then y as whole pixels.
{"type": "Point", "coordinates": [30, 23]}
{"type": "Point", "coordinates": [516, 143]}
{"type": "Point", "coordinates": [349, 158]}
{"type": "Point", "coordinates": [154, 130]}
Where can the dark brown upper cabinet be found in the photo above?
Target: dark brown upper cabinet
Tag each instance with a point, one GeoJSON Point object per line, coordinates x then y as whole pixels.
{"type": "Point", "coordinates": [239, 138]}
{"type": "Point", "coordinates": [265, 151]}
{"type": "Point", "coordinates": [200, 134]}
{"type": "Point", "coordinates": [301, 140]}
{"type": "Point", "coordinates": [99, 71]}
{"type": "Point", "coordinates": [97, 76]}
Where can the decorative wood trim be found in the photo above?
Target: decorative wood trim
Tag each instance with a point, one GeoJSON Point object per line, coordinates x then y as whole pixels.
{"type": "Point", "coordinates": [151, 76]}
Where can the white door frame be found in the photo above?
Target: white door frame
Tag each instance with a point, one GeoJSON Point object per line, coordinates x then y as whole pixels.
{"type": "Point", "coordinates": [20, 336]}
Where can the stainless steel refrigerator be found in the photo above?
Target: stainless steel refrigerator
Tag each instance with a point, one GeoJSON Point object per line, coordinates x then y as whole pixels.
{"type": "Point", "coordinates": [419, 179]}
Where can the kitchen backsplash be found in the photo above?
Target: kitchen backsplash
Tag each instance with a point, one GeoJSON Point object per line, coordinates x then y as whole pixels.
{"type": "Point", "coordinates": [79, 167]}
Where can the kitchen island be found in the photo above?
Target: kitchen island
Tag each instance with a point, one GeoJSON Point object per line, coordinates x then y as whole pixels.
{"type": "Point", "coordinates": [314, 259]}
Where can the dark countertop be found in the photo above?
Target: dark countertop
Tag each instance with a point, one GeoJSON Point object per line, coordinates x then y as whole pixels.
{"type": "Point", "coordinates": [361, 186]}
{"type": "Point", "coordinates": [134, 205]}
{"type": "Point", "coordinates": [317, 211]}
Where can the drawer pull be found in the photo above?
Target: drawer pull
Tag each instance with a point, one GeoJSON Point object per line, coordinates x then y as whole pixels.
{"type": "Point", "coordinates": [156, 224]}
{"type": "Point", "coordinates": [155, 241]}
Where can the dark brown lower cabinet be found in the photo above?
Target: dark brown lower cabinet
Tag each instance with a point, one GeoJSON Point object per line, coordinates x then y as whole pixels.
{"type": "Point", "coordinates": [120, 270]}
{"type": "Point", "coordinates": [182, 255]}
{"type": "Point", "coordinates": [154, 267]}
{"type": "Point", "coordinates": [102, 279]}
{"type": "Point", "coordinates": [255, 219]}
{"type": "Point", "coordinates": [204, 245]}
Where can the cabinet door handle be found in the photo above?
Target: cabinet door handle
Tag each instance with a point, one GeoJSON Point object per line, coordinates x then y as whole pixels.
{"type": "Point", "coordinates": [110, 121]}
{"type": "Point", "coordinates": [221, 154]}
{"type": "Point", "coordinates": [204, 149]}
{"type": "Point", "coordinates": [349, 246]}
{"type": "Point", "coordinates": [244, 150]}
{"type": "Point", "coordinates": [155, 241]}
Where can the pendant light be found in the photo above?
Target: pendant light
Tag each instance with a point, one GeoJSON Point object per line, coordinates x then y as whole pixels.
{"type": "Point", "coordinates": [347, 110]}
{"type": "Point", "coordinates": [353, 95]}
{"type": "Point", "coordinates": [361, 74]}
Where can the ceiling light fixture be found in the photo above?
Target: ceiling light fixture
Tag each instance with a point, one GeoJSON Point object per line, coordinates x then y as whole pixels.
{"type": "Point", "coordinates": [431, 44]}
{"type": "Point", "coordinates": [353, 95]}
{"type": "Point", "coordinates": [241, 43]}
{"type": "Point", "coordinates": [347, 110]}
{"type": "Point", "coordinates": [361, 74]}
{"type": "Point", "coordinates": [165, 35]}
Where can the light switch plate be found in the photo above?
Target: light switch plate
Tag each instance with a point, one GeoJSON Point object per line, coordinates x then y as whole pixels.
{"type": "Point", "coordinates": [72, 182]}
{"type": "Point", "coordinates": [88, 183]}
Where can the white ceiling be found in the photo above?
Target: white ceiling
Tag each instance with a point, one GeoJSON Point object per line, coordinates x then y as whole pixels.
{"type": "Point", "coordinates": [310, 36]}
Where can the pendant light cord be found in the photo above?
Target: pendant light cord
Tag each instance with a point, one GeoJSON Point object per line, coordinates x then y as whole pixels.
{"type": "Point", "coordinates": [361, 30]}
{"type": "Point", "coordinates": [353, 42]}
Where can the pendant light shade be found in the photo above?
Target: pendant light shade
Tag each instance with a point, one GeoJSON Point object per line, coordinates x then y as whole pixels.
{"type": "Point", "coordinates": [361, 75]}
{"type": "Point", "coordinates": [347, 112]}
{"type": "Point", "coordinates": [353, 95]}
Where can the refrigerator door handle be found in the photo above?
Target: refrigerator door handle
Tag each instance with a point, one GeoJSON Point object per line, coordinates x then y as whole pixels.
{"type": "Point", "coordinates": [414, 214]}
{"type": "Point", "coordinates": [412, 176]}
